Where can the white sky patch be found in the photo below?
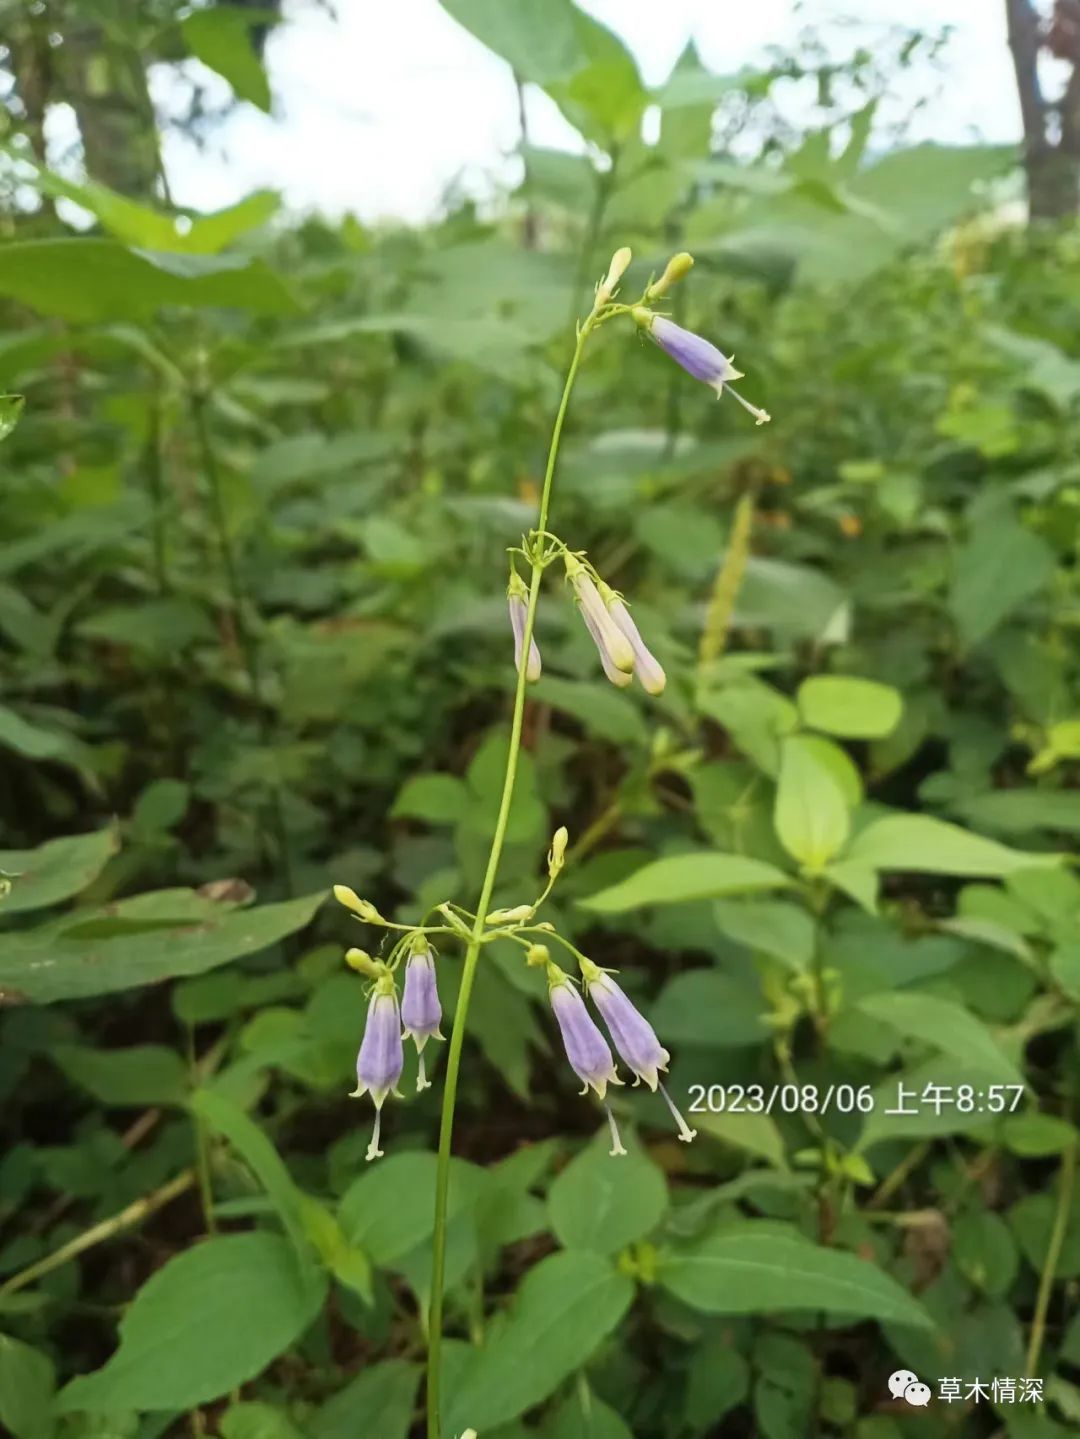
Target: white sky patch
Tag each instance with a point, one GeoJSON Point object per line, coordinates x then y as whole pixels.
{"type": "Point", "coordinates": [380, 112]}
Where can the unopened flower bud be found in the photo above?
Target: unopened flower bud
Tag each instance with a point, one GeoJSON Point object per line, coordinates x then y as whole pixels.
{"type": "Point", "coordinates": [537, 955]}
{"type": "Point", "coordinates": [510, 916]}
{"type": "Point", "coordinates": [676, 269]}
{"type": "Point", "coordinates": [362, 962]}
{"type": "Point", "coordinates": [517, 597]}
{"type": "Point", "coordinates": [362, 907]}
{"type": "Point", "coordinates": [620, 262]}
{"type": "Point", "coordinates": [557, 852]}
{"type": "Point", "coordinates": [646, 666]}
{"type": "Point", "coordinates": [616, 652]}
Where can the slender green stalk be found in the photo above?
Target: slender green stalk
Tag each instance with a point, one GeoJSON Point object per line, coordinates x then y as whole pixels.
{"type": "Point", "coordinates": [472, 953]}
{"type": "Point", "coordinates": [726, 589]}
{"type": "Point", "coordinates": [1053, 1257]}
{"type": "Point", "coordinates": [140, 1209]}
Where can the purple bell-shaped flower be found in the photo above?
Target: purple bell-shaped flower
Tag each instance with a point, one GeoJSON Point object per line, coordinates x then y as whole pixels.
{"type": "Point", "coordinates": [421, 1012]}
{"type": "Point", "coordinates": [382, 1057]}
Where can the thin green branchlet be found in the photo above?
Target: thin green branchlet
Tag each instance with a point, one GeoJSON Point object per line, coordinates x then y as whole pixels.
{"type": "Point", "coordinates": [414, 1012]}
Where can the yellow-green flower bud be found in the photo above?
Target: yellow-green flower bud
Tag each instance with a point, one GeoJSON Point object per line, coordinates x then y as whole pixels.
{"type": "Point", "coordinates": [677, 268]}
{"type": "Point", "coordinates": [557, 852]}
{"type": "Point", "coordinates": [537, 955]}
{"type": "Point", "coordinates": [362, 962]}
{"type": "Point", "coordinates": [361, 907]}
{"type": "Point", "coordinates": [620, 262]}
{"type": "Point", "coordinates": [510, 916]}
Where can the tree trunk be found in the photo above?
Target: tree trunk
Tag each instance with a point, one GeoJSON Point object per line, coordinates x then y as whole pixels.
{"type": "Point", "coordinates": [1053, 169]}
{"type": "Point", "coordinates": [107, 87]}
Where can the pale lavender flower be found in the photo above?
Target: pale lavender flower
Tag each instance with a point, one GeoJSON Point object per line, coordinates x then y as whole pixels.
{"type": "Point", "coordinates": [586, 1048]}
{"type": "Point", "coordinates": [697, 356]}
{"type": "Point", "coordinates": [517, 598]}
{"type": "Point", "coordinates": [421, 1012]}
{"type": "Point", "coordinates": [382, 1057]}
{"type": "Point", "coordinates": [633, 1036]}
{"type": "Point", "coordinates": [646, 666]}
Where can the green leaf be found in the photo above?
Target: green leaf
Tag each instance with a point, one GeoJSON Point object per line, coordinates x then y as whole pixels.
{"type": "Point", "coordinates": [926, 845]}
{"type": "Point", "coordinates": [1019, 811]}
{"type": "Point", "coordinates": [209, 1320]}
{"type": "Point", "coordinates": [849, 708]}
{"type": "Point", "coordinates": [603, 1204]}
{"type": "Point", "coordinates": [756, 1133]}
{"type": "Point", "coordinates": [255, 1148]}
{"type": "Point", "coordinates": [943, 1024]}
{"type": "Point", "coordinates": [379, 1402]}
{"type": "Point", "coordinates": [583, 1416]}
{"type": "Point", "coordinates": [436, 798]}
{"type": "Point", "coordinates": [11, 408]}
{"type": "Point", "coordinates": [390, 1209]}
{"type": "Point", "coordinates": [705, 1006]}
{"type": "Point", "coordinates": [564, 1309]}
{"type": "Point", "coordinates": [55, 870]}
{"type": "Point", "coordinates": [27, 1381]}
{"type": "Point", "coordinates": [34, 741]}
{"type": "Point", "coordinates": [771, 926]}
{"type": "Point", "coordinates": [811, 815]}
{"type": "Point", "coordinates": [602, 710]}
{"type": "Point", "coordinates": [142, 1075]}
{"type": "Point", "coordinates": [54, 962]}
{"type": "Point", "coordinates": [1000, 567]}
{"type": "Point", "coordinates": [221, 38]}
{"type": "Point", "coordinates": [91, 279]}
{"type": "Point", "coordinates": [255, 1420]}
{"type": "Point", "coordinates": [682, 877]}
{"type": "Point", "coordinates": [738, 1271]}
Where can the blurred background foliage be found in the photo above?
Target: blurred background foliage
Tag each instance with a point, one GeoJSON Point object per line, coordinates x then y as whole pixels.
{"type": "Point", "coordinates": [255, 502]}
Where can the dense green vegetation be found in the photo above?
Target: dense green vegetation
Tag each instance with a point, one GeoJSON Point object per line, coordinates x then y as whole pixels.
{"type": "Point", "coordinates": [255, 509]}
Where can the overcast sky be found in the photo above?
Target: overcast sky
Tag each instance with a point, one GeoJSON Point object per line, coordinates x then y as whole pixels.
{"type": "Point", "coordinates": [379, 110]}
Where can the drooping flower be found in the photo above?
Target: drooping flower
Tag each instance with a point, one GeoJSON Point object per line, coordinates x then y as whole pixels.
{"type": "Point", "coordinates": [697, 356]}
{"type": "Point", "coordinates": [382, 1057]}
{"type": "Point", "coordinates": [646, 666]}
{"type": "Point", "coordinates": [619, 678]}
{"type": "Point", "coordinates": [518, 599]}
{"type": "Point", "coordinates": [586, 1048]}
{"type": "Point", "coordinates": [616, 652]}
{"type": "Point", "coordinates": [421, 1012]}
{"type": "Point", "coordinates": [632, 1035]}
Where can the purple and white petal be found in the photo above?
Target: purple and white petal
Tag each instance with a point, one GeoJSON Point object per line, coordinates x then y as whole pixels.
{"type": "Point", "coordinates": [586, 1048]}
{"type": "Point", "coordinates": [646, 666]}
{"type": "Point", "coordinates": [518, 621]}
{"type": "Point", "coordinates": [631, 1033]}
{"type": "Point", "coordinates": [382, 1056]}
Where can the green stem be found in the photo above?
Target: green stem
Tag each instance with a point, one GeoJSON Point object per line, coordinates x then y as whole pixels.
{"type": "Point", "coordinates": [472, 953]}
{"type": "Point", "coordinates": [1053, 1257]}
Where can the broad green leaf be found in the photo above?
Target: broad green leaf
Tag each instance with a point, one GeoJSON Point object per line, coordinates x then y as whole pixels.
{"type": "Point", "coordinates": [90, 279]}
{"type": "Point", "coordinates": [738, 1271]}
{"type": "Point", "coordinates": [56, 870]}
{"type": "Point", "coordinates": [390, 1208]}
{"type": "Point", "coordinates": [35, 741]}
{"type": "Point", "coordinates": [812, 811]}
{"type": "Point", "coordinates": [221, 38]}
{"type": "Point", "coordinates": [379, 1402]}
{"type": "Point", "coordinates": [943, 1024]}
{"type": "Point", "coordinates": [1018, 811]}
{"type": "Point", "coordinates": [705, 1006]}
{"type": "Point", "coordinates": [683, 877]}
{"type": "Point", "coordinates": [771, 926]}
{"type": "Point", "coordinates": [143, 228]}
{"type": "Point", "coordinates": [257, 1151]}
{"type": "Point", "coordinates": [210, 1319]}
{"type": "Point", "coordinates": [11, 408]}
{"type": "Point", "coordinates": [583, 1416]}
{"type": "Point", "coordinates": [1037, 1136]}
{"type": "Point", "coordinates": [756, 1133]}
{"type": "Point", "coordinates": [1000, 567]}
{"type": "Point", "coordinates": [602, 710]}
{"type": "Point", "coordinates": [255, 1420]}
{"type": "Point", "coordinates": [926, 845]}
{"type": "Point", "coordinates": [27, 1381]}
{"type": "Point", "coordinates": [141, 1075]}
{"type": "Point", "coordinates": [849, 708]}
{"type": "Point", "coordinates": [51, 962]}
{"type": "Point", "coordinates": [435, 798]}
{"type": "Point", "coordinates": [565, 1307]}
{"type": "Point", "coordinates": [603, 1204]}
